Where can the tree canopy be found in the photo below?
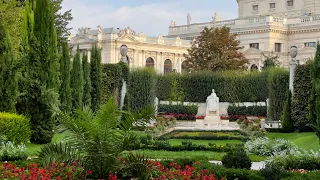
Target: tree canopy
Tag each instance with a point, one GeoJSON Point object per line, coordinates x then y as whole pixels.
{"type": "Point", "coordinates": [215, 49]}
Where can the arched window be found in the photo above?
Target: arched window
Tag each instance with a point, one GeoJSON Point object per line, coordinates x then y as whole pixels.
{"type": "Point", "coordinates": [254, 67]}
{"type": "Point", "coordinates": [167, 66]}
{"type": "Point", "coordinates": [150, 62]}
{"type": "Point", "coordinates": [183, 66]}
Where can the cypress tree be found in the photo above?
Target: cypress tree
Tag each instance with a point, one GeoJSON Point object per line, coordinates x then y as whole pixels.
{"type": "Point", "coordinates": [42, 74]}
{"type": "Point", "coordinates": [286, 120]}
{"type": "Point", "coordinates": [87, 81]}
{"type": "Point", "coordinates": [95, 76]}
{"type": "Point", "coordinates": [76, 82]}
{"type": "Point", "coordinates": [65, 90]}
{"type": "Point", "coordinates": [8, 71]}
{"type": "Point", "coordinates": [314, 100]}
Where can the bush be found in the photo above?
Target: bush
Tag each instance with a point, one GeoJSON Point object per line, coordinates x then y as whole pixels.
{"type": "Point", "coordinates": [278, 83]}
{"type": "Point", "coordinates": [314, 175]}
{"type": "Point", "coordinates": [236, 159]}
{"type": "Point", "coordinates": [205, 135]}
{"type": "Point", "coordinates": [230, 86]}
{"type": "Point", "coordinates": [111, 81]}
{"type": "Point", "coordinates": [141, 88]}
{"type": "Point", "coordinates": [230, 173]}
{"type": "Point", "coordinates": [286, 118]}
{"type": "Point", "coordinates": [180, 112]}
{"type": "Point", "coordinates": [237, 111]}
{"type": "Point", "coordinates": [273, 172]}
{"type": "Point", "coordinates": [11, 152]}
{"type": "Point", "coordinates": [15, 128]}
{"type": "Point", "coordinates": [302, 89]}
{"type": "Point", "coordinates": [268, 147]}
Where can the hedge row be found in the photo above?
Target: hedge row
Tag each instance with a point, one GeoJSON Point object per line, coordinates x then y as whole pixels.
{"type": "Point", "coordinates": [230, 86]}
{"type": "Point", "coordinates": [178, 109]}
{"type": "Point", "coordinates": [247, 111]}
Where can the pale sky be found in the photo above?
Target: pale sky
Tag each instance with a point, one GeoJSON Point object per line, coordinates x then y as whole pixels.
{"type": "Point", "coordinates": [151, 17]}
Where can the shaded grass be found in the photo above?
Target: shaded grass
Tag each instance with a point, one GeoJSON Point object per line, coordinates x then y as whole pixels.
{"type": "Point", "coordinates": [32, 149]}
{"type": "Point", "coordinates": [188, 154]}
{"type": "Point", "coordinates": [308, 141]}
{"type": "Point", "coordinates": [175, 142]}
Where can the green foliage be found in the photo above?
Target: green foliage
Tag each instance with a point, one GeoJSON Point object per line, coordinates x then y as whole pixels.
{"type": "Point", "coordinates": [239, 174]}
{"type": "Point", "coordinates": [278, 83]}
{"type": "Point", "coordinates": [236, 159]}
{"type": "Point", "coordinates": [270, 61]}
{"type": "Point", "coordinates": [77, 81]}
{"type": "Point", "coordinates": [11, 152]}
{"type": "Point", "coordinates": [95, 77]}
{"type": "Point", "coordinates": [215, 49]}
{"type": "Point", "coordinates": [112, 76]}
{"type": "Point", "coordinates": [65, 89]}
{"type": "Point", "coordinates": [178, 109]}
{"type": "Point", "coordinates": [141, 88]}
{"type": "Point", "coordinates": [313, 175]}
{"type": "Point", "coordinates": [315, 96]}
{"type": "Point", "coordinates": [247, 111]}
{"type": "Point", "coordinates": [230, 86]}
{"type": "Point", "coordinates": [86, 80]}
{"type": "Point", "coordinates": [273, 172]}
{"type": "Point", "coordinates": [98, 139]}
{"type": "Point", "coordinates": [15, 127]}
{"type": "Point", "coordinates": [302, 86]}
{"type": "Point", "coordinates": [286, 118]}
{"type": "Point", "coordinates": [8, 73]}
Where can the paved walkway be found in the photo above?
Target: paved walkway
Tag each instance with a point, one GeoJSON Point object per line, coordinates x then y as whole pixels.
{"type": "Point", "coordinates": [254, 166]}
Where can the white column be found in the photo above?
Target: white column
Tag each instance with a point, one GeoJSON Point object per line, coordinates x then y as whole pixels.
{"type": "Point", "coordinates": [293, 65]}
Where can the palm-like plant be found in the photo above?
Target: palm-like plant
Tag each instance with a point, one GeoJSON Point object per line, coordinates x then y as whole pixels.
{"type": "Point", "coordinates": [98, 140]}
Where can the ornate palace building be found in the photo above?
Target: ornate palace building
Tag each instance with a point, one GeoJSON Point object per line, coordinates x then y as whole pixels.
{"type": "Point", "coordinates": [263, 26]}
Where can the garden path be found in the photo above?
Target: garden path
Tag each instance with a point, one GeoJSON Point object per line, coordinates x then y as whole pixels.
{"type": "Point", "coordinates": [254, 166]}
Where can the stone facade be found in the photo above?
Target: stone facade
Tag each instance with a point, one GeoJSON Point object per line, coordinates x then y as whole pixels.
{"type": "Point", "coordinates": [264, 26]}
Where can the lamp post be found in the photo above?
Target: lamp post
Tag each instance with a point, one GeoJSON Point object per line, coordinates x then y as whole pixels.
{"type": "Point", "coordinates": [123, 52]}
{"type": "Point", "coordinates": [293, 64]}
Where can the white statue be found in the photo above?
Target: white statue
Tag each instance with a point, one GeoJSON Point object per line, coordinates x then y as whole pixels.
{"type": "Point", "coordinates": [188, 19]}
{"type": "Point", "coordinates": [212, 102]}
{"type": "Point", "coordinates": [216, 17]}
{"type": "Point", "coordinates": [156, 103]}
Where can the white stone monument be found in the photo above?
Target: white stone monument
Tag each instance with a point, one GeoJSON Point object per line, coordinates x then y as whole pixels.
{"type": "Point", "coordinates": [212, 110]}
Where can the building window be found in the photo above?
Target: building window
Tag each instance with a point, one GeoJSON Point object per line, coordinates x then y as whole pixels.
{"type": "Point", "coordinates": [167, 66]}
{"type": "Point", "coordinates": [272, 5]}
{"type": "Point", "coordinates": [277, 47]}
{"type": "Point", "coordinates": [150, 62]}
{"type": "Point", "coordinates": [255, 7]}
{"type": "Point", "coordinates": [254, 45]}
{"type": "Point", "coordinates": [290, 3]}
{"type": "Point", "coordinates": [310, 44]}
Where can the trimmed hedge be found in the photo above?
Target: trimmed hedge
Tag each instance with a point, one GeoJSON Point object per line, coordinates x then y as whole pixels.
{"type": "Point", "coordinates": [111, 81]}
{"type": "Point", "coordinates": [141, 88]}
{"type": "Point", "coordinates": [15, 128]}
{"type": "Point", "coordinates": [205, 135]}
{"type": "Point", "coordinates": [278, 83]}
{"type": "Point", "coordinates": [302, 89]}
{"type": "Point", "coordinates": [180, 112]}
{"type": "Point", "coordinates": [246, 111]}
{"type": "Point", "coordinates": [230, 86]}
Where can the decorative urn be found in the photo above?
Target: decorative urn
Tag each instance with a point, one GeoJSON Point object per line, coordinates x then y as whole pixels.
{"type": "Point", "coordinates": [293, 51]}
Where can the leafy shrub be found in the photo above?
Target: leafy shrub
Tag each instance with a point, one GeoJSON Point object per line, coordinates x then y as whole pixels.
{"type": "Point", "coordinates": [11, 152]}
{"type": "Point", "coordinates": [313, 175]}
{"type": "Point", "coordinates": [141, 88]}
{"type": "Point", "coordinates": [278, 82]}
{"type": "Point", "coordinates": [231, 173]}
{"type": "Point", "coordinates": [273, 172]}
{"type": "Point", "coordinates": [180, 112]}
{"type": "Point", "coordinates": [286, 118]}
{"type": "Point", "coordinates": [15, 127]}
{"type": "Point", "coordinates": [267, 147]}
{"type": "Point", "coordinates": [111, 81]}
{"type": "Point", "coordinates": [235, 112]}
{"type": "Point", "coordinates": [236, 159]}
{"type": "Point", "coordinates": [301, 91]}
{"type": "Point", "coordinates": [206, 135]}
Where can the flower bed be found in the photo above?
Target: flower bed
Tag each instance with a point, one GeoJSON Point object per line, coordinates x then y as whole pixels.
{"type": "Point", "coordinates": [179, 117]}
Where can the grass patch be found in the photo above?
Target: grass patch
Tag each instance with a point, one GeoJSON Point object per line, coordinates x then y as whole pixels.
{"type": "Point", "coordinates": [32, 149]}
{"type": "Point", "coordinates": [308, 141]}
{"type": "Point", "coordinates": [176, 142]}
{"type": "Point", "coordinates": [189, 154]}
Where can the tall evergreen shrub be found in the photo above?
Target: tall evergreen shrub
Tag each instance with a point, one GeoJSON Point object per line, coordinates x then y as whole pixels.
{"type": "Point", "coordinates": [77, 81]}
{"type": "Point", "coordinates": [112, 76]}
{"type": "Point", "coordinates": [86, 80]}
{"type": "Point", "coordinates": [65, 90]}
{"type": "Point", "coordinates": [141, 88]}
{"type": "Point", "coordinates": [278, 83]}
{"type": "Point", "coordinates": [95, 76]}
{"type": "Point", "coordinates": [286, 118]}
{"type": "Point", "coordinates": [8, 73]}
{"type": "Point", "coordinates": [302, 89]}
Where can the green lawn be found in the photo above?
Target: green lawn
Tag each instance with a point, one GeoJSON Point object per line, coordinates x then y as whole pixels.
{"type": "Point", "coordinates": [33, 148]}
{"type": "Point", "coordinates": [188, 154]}
{"type": "Point", "coordinates": [308, 141]}
{"type": "Point", "coordinates": [204, 142]}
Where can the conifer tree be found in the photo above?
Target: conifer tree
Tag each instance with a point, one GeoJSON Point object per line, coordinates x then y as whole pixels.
{"type": "Point", "coordinates": [76, 82]}
{"type": "Point", "coordinates": [95, 76]}
{"type": "Point", "coordinates": [87, 81]}
{"type": "Point", "coordinates": [314, 100]}
{"type": "Point", "coordinates": [65, 90]}
{"type": "Point", "coordinates": [8, 71]}
{"type": "Point", "coordinates": [286, 120]}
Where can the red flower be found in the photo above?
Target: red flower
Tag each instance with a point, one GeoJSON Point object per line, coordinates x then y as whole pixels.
{"type": "Point", "coordinates": [89, 172]}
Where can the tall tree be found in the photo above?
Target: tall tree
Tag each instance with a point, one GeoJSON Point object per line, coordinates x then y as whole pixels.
{"type": "Point", "coordinates": [42, 73]}
{"type": "Point", "coordinates": [314, 105]}
{"type": "Point", "coordinates": [95, 76]}
{"type": "Point", "coordinates": [270, 61]}
{"type": "Point", "coordinates": [62, 19]}
{"type": "Point", "coordinates": [8, 71]}
{"type": "Point", "coordinates": [65, 90]}
{"type": "Point", "coordinates": [286, 120]}
{"type": "Point", "coordinates": [87, 81]}
{"type": "Point", "coordinates": [215, 49]}
{"type": "Point", "coordinates": [76, 82]}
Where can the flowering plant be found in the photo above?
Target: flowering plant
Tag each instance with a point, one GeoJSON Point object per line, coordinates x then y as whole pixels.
{"type": "Point", "coordinates": [161, 124]}
{"type": "Point", "coordinates": [11, 152]}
